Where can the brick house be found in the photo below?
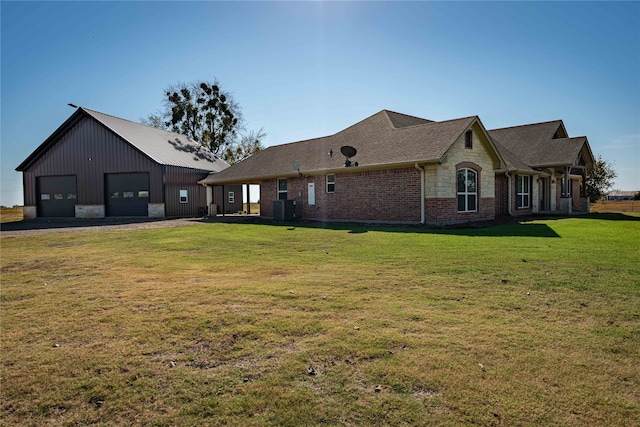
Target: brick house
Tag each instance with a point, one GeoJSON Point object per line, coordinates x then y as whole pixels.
{"type": "Point", "coordinates": [96, 165]}
{"type": "Point", "coordinates": [409, 170]}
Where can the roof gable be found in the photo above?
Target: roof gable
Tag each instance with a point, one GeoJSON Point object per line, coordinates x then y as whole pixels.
{"type": "Point", "coordinates": [538, 145]}
{"type": "Point", "coordinates": [163, 147]}
{"type": "Point", "coordinates": [383, 140]}
{"type": "Point", "coordinates": [399, 120]}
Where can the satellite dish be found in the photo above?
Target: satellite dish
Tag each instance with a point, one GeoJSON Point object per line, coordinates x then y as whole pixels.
{"type": "Point", "coordinates": [348, 151]}
{"type": "Point", "coordinates": [296, 166]}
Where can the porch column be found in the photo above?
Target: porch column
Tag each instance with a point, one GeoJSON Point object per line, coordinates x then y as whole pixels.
{"type": "Point", "coordinates": [248, 198]}
{"type": "Point", "coordinates": [223, 198]}
{"type": "Point", "coordinates": [535, 194]}
{"type": "Point", "coordinates": [565, 183]}
{"type": "Point", "coordinates": [552, 192]}
{"type": "Point", "coordinates": [209, 190]}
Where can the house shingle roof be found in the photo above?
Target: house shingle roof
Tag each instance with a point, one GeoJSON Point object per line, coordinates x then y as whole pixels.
{"type": "Point", "coordinates": [390, 139]}
{"type": "Point", "coordinates": [384, 139]}
{"type": "Point", "coordinates": [399, 120]}
{"type": "Point", "coordinates": [163, 147]}
{"type": "Point", "coordinates": [536, 145]}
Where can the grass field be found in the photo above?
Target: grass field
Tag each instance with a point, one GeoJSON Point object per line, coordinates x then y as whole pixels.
{"type": "Point", "coordinates": [10, 215]}
{"type": "Point", "coordinates": [609, 206]}
{"type": "Point", "coordinates": [253, 324]}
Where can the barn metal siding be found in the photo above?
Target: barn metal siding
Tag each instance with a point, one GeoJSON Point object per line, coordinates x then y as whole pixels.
{"type": "Point", "coordinates": [180, 178]}
{"type": "Point", "coordinates": [89, 151]}
{"type": "Point", "coordinates": [221, 198]}
{"type": "Point", "coordinates": [29, 186]}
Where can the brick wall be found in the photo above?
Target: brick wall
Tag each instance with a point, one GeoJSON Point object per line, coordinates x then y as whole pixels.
{"type": "Point", "coordinates": [268, 193]}
{"type": "Point", "coordinates": [515, 210]}
{"type": "Point", "coordinates": [445, 211]}
{"type": "Point", "coordinates": [391, 195]}
{"type": "Point", "coordinates": [502, 195]}
{"type": "Point", "coordinates": [575, 194]}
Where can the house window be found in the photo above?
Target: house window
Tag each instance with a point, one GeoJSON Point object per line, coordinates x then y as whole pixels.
{"type": "Point", "coordinates": [232, 197]}
{"type": "Point", "coordinates": [282, 188]}
{"type": "Point", "coordinates": [567, 186]}
{"type": "Point", "coordinates": [183, 196]}
{"type": "Point", "coordinates": [467, 190]}
{"type": "Point", "coordinates": [331, 183]}
{"type": "Point", "coordinates": [468, 139]}
{"type": "Point", "coordinates": [523, 191]}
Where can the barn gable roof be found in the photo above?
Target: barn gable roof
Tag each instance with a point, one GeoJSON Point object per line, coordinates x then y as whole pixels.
{"type": "Point", "coordinates": [163, 147]}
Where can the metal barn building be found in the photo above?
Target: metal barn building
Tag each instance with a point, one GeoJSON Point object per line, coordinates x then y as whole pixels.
{"type": "Point", "coordinates": [96, 165]}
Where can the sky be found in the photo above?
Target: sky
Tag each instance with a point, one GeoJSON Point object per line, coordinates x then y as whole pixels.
{"type": "Point", "coordinates": [301, 70]}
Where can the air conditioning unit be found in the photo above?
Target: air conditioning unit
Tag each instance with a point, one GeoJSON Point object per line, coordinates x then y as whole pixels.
{"type": "Point", "coordinates": [284, 210]}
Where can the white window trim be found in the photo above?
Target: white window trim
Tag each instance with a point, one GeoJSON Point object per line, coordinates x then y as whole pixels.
{"type": "Point", "coordinates": [232, 197]}
{"type": "Point", "coordinates": [466, 193]}
{"type": "Point", "coordinates": [278, 187]}
{"type": "Point", "coordinates": [331, 182]}
{"type": "Point", "coordinates": [520, 194]}
{"type": "Point", "coordinates": [185, 196]}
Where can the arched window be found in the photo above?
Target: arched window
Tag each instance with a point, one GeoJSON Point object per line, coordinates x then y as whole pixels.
{"type": "Point", "coordinates": [467, 190]}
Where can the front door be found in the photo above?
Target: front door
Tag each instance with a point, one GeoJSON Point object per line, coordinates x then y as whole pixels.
{"type": "Point", "coordinates": [544, 193]}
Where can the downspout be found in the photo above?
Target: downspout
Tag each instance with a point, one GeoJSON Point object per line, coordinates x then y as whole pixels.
{"type": "Point", "coordinates": [506, 173]}
{"type": "Point", "coordinates": [421, 169]}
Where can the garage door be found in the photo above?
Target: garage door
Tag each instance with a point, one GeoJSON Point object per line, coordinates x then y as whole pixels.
{"type": "Point", "coordinates": [127, 194]}
{"type": "Point", "coordinates": [56, 196]}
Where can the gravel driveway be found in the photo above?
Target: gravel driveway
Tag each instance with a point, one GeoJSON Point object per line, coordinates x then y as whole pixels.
{"type": "Point", "coordinates": [38, 226]}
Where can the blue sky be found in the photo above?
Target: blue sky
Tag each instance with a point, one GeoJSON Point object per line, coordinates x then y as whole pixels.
{"type": "Point", "coordinates": [307, 69]}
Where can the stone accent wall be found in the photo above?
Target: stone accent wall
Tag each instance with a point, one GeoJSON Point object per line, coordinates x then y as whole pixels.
{"type": "Point", "coordinates": [553, 196]}
{"type": "Point", "coordinates": [29, 212]}
{"type": "Point", "coordinates": [155, 210]}
{"type": "Point", "coordinates": [441, 184]}
{"type": "Point", "coordinates": [564, 205]}
{"type": "Point", "coordinates": [441, 179]}
{"type": "Point", "coordinates": [90, 211]}
{"type": "Point", "coordinates": [535, 194]}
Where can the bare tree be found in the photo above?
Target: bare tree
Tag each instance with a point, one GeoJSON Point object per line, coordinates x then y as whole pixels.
{"type": "Point", "coordinates": [210, 116]}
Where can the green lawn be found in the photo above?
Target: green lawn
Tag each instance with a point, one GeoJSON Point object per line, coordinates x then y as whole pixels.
{"type": "Point", "coordinates": [219, 324]}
